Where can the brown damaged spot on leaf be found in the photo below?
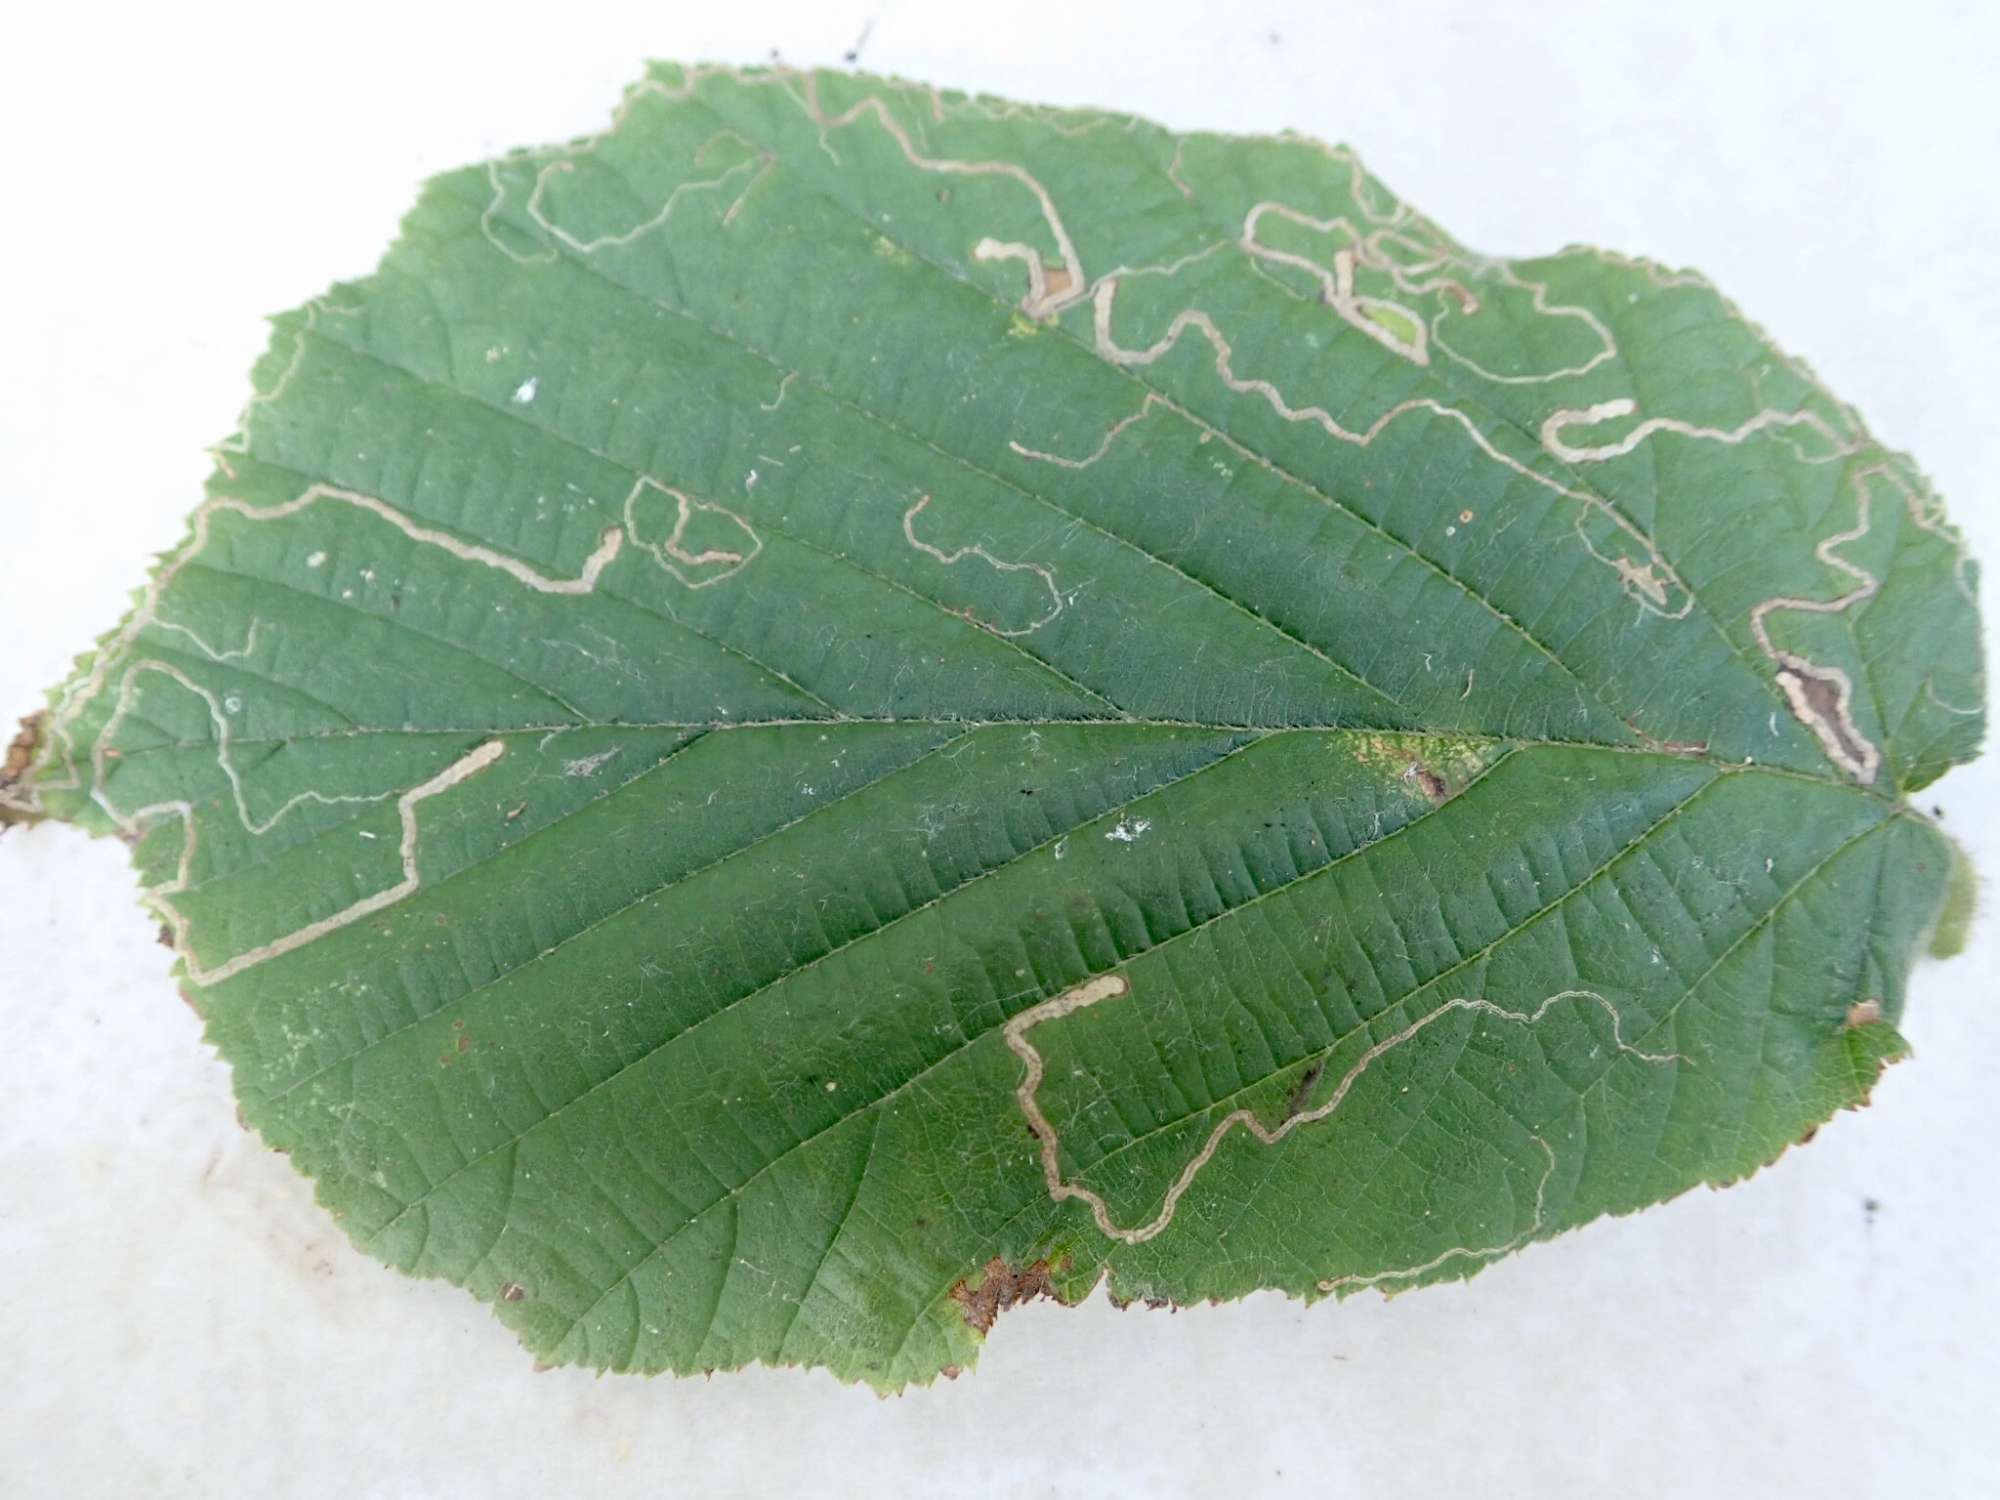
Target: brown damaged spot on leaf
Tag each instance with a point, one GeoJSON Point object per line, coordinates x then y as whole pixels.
{"type": "Point", "coordinates": [1001, 1287]}
{"type": "Point", "coordinates": [1819, 700]}
{"type": "Point", "coordinates": [1439, 769]}
{"type": "Point", "coordinates": [21, 750]}
{"type": "Point", "coordinates": [20, 755]}
{"type": "Point", "coordinates": [1296, 1101]}
{"type": "Point", "coordinates": [1428, 781]}
{"type": "Point", "coordinates": [1821, 695]}
{"type": "Point", "coordinates": [1864, 1013]}
{"type": "Point", "coordinates": [513, 1291]}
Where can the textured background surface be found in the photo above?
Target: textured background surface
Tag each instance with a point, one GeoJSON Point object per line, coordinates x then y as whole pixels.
{"type": "Point", "coordinates": [182, 1314]}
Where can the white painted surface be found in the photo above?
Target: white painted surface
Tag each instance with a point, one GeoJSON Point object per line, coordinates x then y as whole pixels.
{"type": "Point", "coordinates": [181, 1320]}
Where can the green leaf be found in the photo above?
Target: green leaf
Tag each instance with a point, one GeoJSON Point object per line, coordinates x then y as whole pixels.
{"type": "Point", "coordinates": [845, 704]}
{"type": "Point", "coordinates": [1961, 904]}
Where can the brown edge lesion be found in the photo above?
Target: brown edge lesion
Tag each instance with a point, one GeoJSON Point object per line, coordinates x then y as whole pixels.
{"type": "Point", "coordinates": [1001, 1286]}
{"type": "Point", "coordinates": [15, 805]}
